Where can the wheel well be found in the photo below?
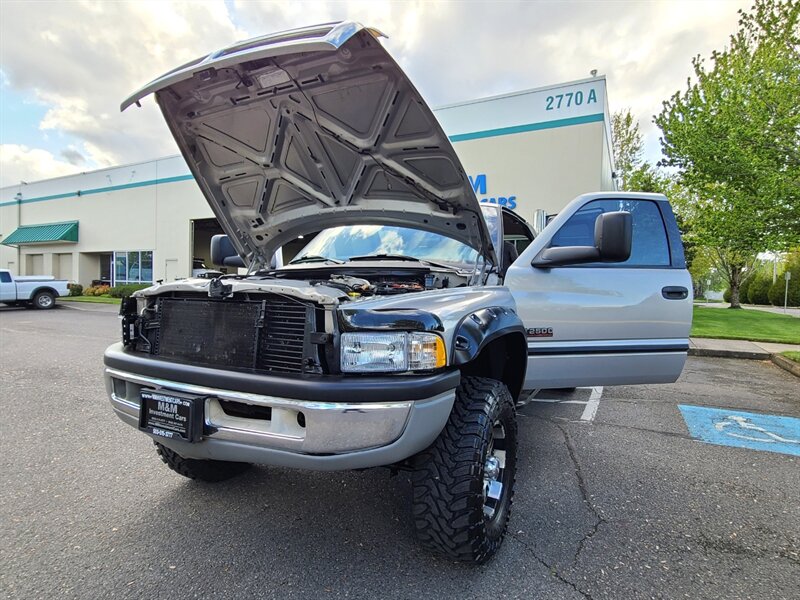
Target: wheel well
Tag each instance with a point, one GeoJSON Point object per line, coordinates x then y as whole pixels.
{"type": "Point", "coordinates": [43, 289]}
{"type": "Point", "coordinates": [505, 359]}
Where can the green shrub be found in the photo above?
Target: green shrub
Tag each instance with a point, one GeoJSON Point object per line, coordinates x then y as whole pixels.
{"type": "Point", "coordinates": [123, 291]}
{"type": "Point", "coordinates": [75, 289]}
{"type": "Point", "coordinates": [778, 289]}
{"type": "Point", "coordinates": [758, 290]}
{"type": "Point", "coordinates": [96, 290]}
{"type": "Point", "coordinates": [726, 295]}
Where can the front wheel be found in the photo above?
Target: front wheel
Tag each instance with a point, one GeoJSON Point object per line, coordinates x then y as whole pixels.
{"type": "Point", "coordinates": [44, 300]}
{"type": "Point", "coordinates": [463, 484]}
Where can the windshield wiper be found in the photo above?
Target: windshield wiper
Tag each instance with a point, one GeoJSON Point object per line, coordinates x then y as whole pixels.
{"type": "Point", "coordinates": [314, 258]}
{"type": "Point", "coordinates": [428, 263]}
{"type": "Point", "coordinates": [385, 257]}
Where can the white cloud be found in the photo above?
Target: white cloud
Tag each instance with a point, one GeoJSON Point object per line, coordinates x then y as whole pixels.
{"type": "Point", "coordinates": [19, 163]}
{"type": "Point", "coordinates": [83, 58]}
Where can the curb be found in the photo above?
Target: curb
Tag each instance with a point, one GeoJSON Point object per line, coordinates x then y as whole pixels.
{"type": "Point", "coordinates": [746, 354]}
{"type": "Point", "coordinates": [781, 361]}
{"type": "Point", "coordinates": [786, 364]}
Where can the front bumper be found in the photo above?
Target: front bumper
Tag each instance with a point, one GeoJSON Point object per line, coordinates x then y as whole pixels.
{"type": "Point", "coordinates": [383, 421]}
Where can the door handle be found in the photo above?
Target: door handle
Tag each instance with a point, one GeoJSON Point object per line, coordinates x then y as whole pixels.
{"type": "Point", "coordinates": [675, 292]}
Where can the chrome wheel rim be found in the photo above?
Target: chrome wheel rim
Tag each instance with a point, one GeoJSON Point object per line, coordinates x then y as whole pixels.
{"type": "Point", "coordinates": [493, 471]}
{"type": "Point", "coordinates": [45, 301]}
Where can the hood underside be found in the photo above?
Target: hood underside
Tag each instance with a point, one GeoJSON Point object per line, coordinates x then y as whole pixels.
{"type": "Point", "coordinates": [304, 130]}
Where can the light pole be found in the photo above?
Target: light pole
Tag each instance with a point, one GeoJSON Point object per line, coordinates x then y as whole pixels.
{"type": "Point", "coordinates": [787, 276]}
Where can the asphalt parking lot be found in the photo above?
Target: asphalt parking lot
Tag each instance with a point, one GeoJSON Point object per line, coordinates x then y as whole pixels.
{"type": "Point", "coordinates": [614, 498]}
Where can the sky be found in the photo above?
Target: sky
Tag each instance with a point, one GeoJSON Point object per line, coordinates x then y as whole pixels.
{"type": "Point", "coordinates": [65, 66]}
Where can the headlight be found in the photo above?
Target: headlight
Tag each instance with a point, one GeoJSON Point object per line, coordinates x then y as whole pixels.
{"type": "Point", "coordinates": [391, 352]}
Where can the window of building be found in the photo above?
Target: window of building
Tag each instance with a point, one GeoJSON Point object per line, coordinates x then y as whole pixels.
{"type": "Point", "coordinates": [649, 247]}
{"type": "Point", "coordinates": [133, 267]}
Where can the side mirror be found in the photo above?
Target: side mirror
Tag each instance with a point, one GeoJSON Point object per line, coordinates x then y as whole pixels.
{"type": "Point", "coordinates": [223, 253]}
{"type": "Point", "coordinates": [613, 234]}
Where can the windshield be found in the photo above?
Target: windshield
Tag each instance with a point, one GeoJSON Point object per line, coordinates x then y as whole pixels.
{"type": "Point", "coordinates": [341, 243]}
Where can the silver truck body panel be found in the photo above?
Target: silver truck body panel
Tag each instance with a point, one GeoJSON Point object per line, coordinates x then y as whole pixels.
{"type": "Point", "coordinates": [290, 134]}
{"type": "Point", "coordinates": [610, 325]}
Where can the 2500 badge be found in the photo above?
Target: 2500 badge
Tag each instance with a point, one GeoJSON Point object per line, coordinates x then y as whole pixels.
{"type": "Point", "coordinates": [540, 332]}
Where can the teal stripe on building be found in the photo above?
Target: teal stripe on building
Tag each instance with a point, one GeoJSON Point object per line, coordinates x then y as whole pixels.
{"type": "Point", "coordinates": [477, 135]}
{"type": "Point", "coordinates": [461, 137]}
{"type": "Point", "coordinates": [102, 190]}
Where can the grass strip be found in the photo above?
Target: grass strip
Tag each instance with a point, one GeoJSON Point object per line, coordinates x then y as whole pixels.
{"type": "Point", "coordinates": [745, 324]}
{"type": "Point", "coordinates": [90, 299]}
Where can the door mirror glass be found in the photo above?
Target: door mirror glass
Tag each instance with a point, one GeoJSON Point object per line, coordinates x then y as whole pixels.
{"type": "Point", "coordinates": [613, 235]}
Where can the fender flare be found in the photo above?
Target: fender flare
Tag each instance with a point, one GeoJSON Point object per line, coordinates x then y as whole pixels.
{"type": "Point", "coordinates": [478, 329]}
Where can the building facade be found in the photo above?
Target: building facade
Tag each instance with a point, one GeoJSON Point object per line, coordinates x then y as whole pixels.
{"type": "Point", "coordinates": [138, 223]}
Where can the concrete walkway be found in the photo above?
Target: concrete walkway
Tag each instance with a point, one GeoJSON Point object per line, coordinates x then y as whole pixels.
{"type": "Point", "coordinates": [792, 312]}
{"type": "Point", "coordinates": [737, 348]}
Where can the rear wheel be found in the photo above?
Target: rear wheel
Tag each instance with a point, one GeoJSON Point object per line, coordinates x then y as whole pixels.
{"type": "Point", "coordinates": [204, 470]}
{"type": "Point", "coordinates": [44, 300]}
{"type": "Point", "coordinates": [464, 483]}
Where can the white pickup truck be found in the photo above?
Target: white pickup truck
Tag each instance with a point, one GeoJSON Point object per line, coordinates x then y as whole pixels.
{"type": "Point", "coordinates": [40, 291]}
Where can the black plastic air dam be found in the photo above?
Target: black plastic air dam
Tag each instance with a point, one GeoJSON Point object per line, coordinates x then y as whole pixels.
{"type": "Point", "coordinates": [316, 388]}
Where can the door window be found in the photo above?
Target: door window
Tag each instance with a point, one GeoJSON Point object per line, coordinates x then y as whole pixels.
{"type": "Point", "coordinates": [649, 245]}
{"type": "Point", "coordinates": [5, 277]}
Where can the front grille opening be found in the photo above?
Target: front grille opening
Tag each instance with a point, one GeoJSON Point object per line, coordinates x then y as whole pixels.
{"type": "Point", "coordinates": [268, 334]}
{"type": "Point", "coordinates": [246, 411]}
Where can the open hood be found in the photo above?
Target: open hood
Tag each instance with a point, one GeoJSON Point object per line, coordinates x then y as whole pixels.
{"type": "Point", "coordinates": [299, 131]}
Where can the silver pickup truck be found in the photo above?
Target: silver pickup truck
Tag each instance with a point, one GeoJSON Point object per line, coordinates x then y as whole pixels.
{"type": "Point", "coordinates": [39, 291]}
{"type": "Point", "coordinates": [397, 337]}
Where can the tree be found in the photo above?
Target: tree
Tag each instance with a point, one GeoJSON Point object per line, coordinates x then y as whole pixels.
{"type": "Point", "coordinates": [633, 172]}
{"type": "Point", "coordinates": [627, 141]}
{"type": "Point", "coordinates": [734, 137]}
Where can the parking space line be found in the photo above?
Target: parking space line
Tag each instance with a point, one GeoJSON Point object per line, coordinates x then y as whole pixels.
{"type": "Point", "coordinates": [591, 407]}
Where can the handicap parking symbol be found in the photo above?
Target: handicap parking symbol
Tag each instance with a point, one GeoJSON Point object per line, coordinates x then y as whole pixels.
{"type": "Point", "coordinates": [769, 433]}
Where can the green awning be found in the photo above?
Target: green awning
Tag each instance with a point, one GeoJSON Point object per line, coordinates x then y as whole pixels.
{"type": "Point", "coordinates": [43, 234]}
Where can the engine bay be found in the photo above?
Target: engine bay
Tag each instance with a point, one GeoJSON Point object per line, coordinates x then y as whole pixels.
{"type": "Point", "coordinates": [361, 282]}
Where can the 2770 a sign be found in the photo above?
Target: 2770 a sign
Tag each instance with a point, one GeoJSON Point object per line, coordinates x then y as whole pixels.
{"type": "Point", "coordinates": [568, 99]}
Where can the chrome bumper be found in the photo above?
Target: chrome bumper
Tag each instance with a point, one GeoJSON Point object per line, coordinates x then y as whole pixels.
{"type": "Point", "coordinates": [307, 434]}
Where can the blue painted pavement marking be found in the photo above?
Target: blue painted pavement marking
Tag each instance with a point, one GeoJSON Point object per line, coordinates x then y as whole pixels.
{"type": "Point", "coordinates": [724, 427]}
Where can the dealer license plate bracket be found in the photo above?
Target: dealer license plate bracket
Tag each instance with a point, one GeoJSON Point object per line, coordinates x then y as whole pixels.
{"type": "Point", "coordinates": [172, 415]}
